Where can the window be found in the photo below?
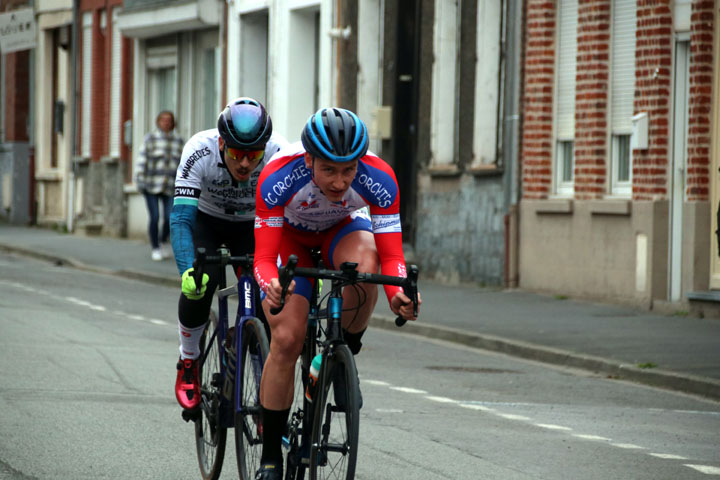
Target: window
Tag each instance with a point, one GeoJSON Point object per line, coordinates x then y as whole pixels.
{"type": "Point", "coordinates": [115, 62]}
{"type": "Point", "coordinates": [487, 80]}
{"type": "Point", "coordinates": [622, 95]}
{"type": "Point", "coordinates": [86, 83]}
{"type": "Point", "coordinates": [565, 155]}
{"type": "Point", "coordinates": [566, 67]}
{"type": "Point", "coordinates": [209, 88]}
{"type": "Point", "coordinates": [444, 83]}
{"type": "Point", "coordinates": [161, 62]}
{"type": "Point", "coordinates": [621, 165]}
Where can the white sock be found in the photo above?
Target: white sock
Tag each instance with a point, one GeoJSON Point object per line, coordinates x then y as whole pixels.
{"type": "Point", "coordinates": [190, 341]}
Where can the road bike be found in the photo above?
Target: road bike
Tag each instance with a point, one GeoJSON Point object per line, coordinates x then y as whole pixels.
{"type": "Point", "coordinates": [323, 428]}
{"type": "Point", "coordinates": [230, 367]}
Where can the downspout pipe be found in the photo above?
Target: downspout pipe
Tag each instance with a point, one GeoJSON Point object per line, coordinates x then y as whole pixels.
{"type": "Point", "coordinates": [74, 122]}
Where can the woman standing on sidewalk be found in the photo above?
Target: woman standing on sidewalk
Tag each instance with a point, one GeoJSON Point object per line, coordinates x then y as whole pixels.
{"type": "Point", "coordinates": [155, 178]}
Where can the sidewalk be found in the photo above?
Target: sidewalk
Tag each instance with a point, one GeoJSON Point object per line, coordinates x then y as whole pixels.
{"type": "Point", "coordinates": [682, 353]}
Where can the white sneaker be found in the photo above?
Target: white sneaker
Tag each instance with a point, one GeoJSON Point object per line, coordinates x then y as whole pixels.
{"type": "Point", "coordinates": [166, 250]}
{"type": "Point", "coordinates": [157, 255]}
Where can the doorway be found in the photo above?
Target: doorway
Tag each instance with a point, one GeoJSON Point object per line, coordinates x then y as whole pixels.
{"type": "Point", "coordinates": [405, 112]}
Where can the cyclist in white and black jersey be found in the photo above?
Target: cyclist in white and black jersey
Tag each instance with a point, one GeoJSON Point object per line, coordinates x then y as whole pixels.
{"type": "Point", "coordinates": [215, 189]}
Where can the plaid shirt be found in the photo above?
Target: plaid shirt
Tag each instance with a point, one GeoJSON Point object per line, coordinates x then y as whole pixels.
{"type": "Point", "coordinates": [157, 164]}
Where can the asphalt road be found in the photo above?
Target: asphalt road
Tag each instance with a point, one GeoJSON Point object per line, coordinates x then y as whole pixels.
{"type": "Point", "coordinates": [88, 371]}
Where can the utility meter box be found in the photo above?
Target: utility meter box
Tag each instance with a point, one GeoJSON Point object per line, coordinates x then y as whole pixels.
{"type": "Point", "coordinates": [381, 126]}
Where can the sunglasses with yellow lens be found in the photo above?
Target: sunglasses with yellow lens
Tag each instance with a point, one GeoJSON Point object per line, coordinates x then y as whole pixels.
{"type": "Point", "coordinates": [238, 154]}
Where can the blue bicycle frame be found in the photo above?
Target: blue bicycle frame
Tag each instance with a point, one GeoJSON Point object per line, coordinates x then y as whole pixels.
{"type": "Point", "coordinates": [232, 361]}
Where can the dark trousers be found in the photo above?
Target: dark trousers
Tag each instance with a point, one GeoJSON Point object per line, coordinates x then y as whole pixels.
{"type": "Point", "coordinates": [153, 206]}
{"type": "Point", "coordinates": [210, 233]}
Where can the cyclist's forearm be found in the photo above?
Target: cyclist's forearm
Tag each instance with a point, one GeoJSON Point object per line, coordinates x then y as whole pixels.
{"type": "Point", "coordinates": [182, 223]}
{"type": "Point", "coordinates": [392, 259]}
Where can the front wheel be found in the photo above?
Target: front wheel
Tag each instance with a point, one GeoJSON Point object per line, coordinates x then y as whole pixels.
{"type": "Point", "coordinates": [336, 421]}
{"type": "Point", "coordinates": [248, 421]}
{"type": "Point", "coordinates": [210, 434]}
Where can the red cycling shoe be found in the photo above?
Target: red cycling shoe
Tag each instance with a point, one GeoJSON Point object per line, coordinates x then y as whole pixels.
{"type": "Point", "coordinates": [187, 385]}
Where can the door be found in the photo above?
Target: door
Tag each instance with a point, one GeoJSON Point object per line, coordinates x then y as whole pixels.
{"type": "Point", "coordinates": [715, 174]}
{"type": "Point", "coordinates": [680, 107]}
{"type": "Point", "coordinates": [405, 112]}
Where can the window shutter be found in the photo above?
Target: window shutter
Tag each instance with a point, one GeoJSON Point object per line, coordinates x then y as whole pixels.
{"type": "Point", "coordinates": [566, 68]}
{"type": "Point", "coordinates": [623, 65]}
{"type": "Point", "coordinates": [115, 87]}
{"type": "Point", "coordinates": [86, 82]}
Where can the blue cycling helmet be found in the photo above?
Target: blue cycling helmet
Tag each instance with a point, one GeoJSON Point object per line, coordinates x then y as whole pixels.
{"type": "Point", "coordinates": [245, 124]}
{"type": "Point", "coordinates": [335, 134]}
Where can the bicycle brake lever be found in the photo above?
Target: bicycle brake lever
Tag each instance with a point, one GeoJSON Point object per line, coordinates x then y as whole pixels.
{"type": "Point", "coordinates": [412, 293]}
{"type": "Point", "coordinates": [198, 265]}
{"type": "Point", "coordinates": [285, 276]}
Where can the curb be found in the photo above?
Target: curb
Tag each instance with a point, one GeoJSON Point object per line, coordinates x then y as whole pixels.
{"type": "Point", "coordinates": [665, 379]}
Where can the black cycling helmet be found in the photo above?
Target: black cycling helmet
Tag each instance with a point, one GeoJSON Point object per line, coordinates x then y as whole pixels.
{"type": "Point", "coordinates": [335, 134]}
{"type": "Point", "coordinates": [245, 124]}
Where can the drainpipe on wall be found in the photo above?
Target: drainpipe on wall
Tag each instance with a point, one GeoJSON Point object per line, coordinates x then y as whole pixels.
{"type": "Point", "coordinates": [73, 125]}
{"type": "Point", "coordinates": [511, 137]}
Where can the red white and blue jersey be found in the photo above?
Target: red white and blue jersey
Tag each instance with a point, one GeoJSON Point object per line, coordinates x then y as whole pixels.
{"type": "Point", "coordinates": [288, 196]}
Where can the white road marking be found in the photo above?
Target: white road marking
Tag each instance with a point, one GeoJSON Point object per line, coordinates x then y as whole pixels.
{"type": "Point", "coordinates": [389, 410]}
{"type": "Point", "coordinates": [85, 303]}
{"type": "Point", "coordinates": [592, 437]}
{"type": "Point", "coordinates": [473, 406]}
{"type": "Point", "coordinates": [510, 416]}
{"type": "Point", "coordinates": [550, 426]}
{"type": "Point", "coordinates": [668, 456]}
{"type": "Point", "coordinates": [379, 383]}
{"type": "Point", "coordinates": [629, 446]}
{"type": "Point", "coordinates": [408, 390]}
{"type": "Point", "coordinates": [705, 469]}
{"type": "Point", "coordinates": [441, 399]}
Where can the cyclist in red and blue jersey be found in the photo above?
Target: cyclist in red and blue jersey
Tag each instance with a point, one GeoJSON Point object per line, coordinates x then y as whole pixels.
{"type": "Point", "coordinates": [316, 194]}
{"type": "Point", "coordinates": [214, 205]}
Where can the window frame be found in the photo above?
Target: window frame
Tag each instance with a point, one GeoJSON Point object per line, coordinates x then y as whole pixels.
{"type": "Point", "coordinates": [620, 187]}
{"type": "Point", "coordinates": [563, 186]}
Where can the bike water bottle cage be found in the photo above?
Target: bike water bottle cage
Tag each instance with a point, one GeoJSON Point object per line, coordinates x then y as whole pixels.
{"type": "Point", "coordinates": [335, 134]}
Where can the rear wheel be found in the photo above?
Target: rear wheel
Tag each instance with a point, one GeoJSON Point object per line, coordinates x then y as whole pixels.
{"type": "Point", "coordinates": [210, 435]}
{"type": "Point", "coordinates": [336, 421]}
{"type": "Point", "coordinates": [248, 421]}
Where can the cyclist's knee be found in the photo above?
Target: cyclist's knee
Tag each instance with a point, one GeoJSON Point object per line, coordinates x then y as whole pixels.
{"type": "Point", "coordinates": [286, 343]}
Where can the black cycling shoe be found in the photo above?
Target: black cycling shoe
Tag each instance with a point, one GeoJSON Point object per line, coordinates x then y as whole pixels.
{"type": "Point", "coordinates": [269, 471]}
{"type": "Point", "coordinates": [339, 389]}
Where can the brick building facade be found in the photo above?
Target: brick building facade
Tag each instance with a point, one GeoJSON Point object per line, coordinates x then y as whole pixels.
{"type": "Point", "coordinates": [631, 220]}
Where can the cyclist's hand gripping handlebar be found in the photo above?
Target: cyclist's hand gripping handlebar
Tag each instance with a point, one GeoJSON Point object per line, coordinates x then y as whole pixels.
{"type": "Point", "coordinates": [285, 276]}
{"type": "Point", "coordinates": [198, 265]}
{"type": "Point", "coordinates": [410, 290]}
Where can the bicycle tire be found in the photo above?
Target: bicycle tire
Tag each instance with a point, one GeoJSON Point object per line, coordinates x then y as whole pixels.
{"type": "Point", "coordinates": [210, 435]}
{"type": "Point", "coordinates": [295, 464]}
{"type": "Point", "coordinates": [248, 422]}
{"type": "Point", "coordinates": [336, 428]}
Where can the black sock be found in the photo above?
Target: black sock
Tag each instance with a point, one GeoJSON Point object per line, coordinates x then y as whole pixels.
{"type": "Point", "coordinates": [274, 422]}
{"type": "Point", "coordinates": [353, 340]}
